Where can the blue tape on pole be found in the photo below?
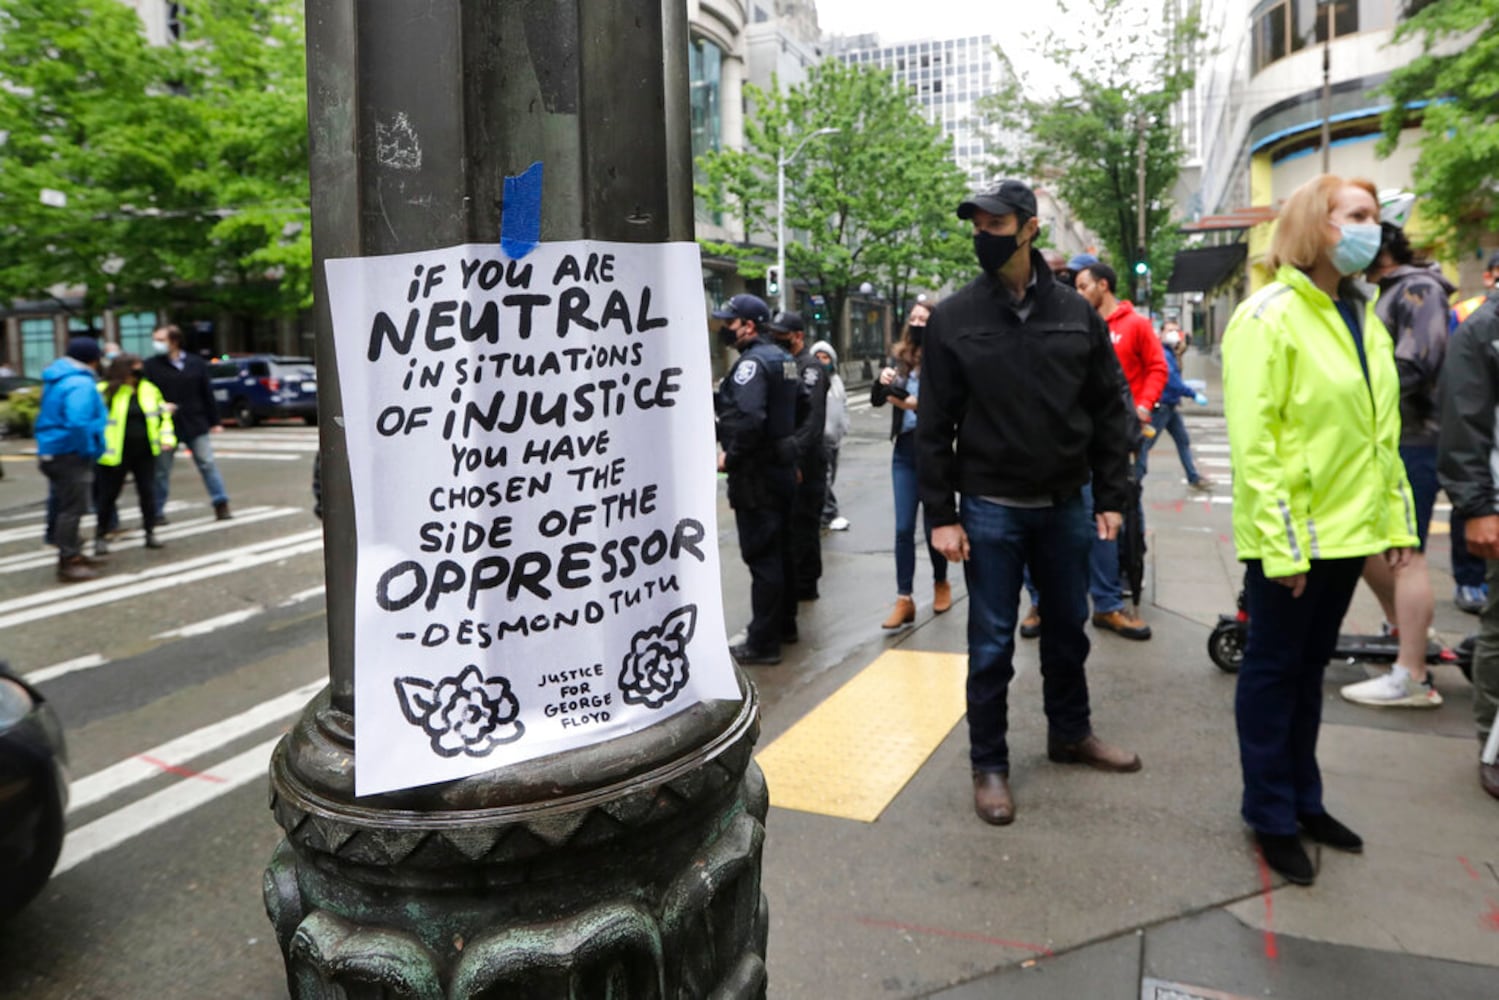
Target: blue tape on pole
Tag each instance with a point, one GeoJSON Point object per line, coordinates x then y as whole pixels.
{"type": "Point", "coordinates": [520, 216]}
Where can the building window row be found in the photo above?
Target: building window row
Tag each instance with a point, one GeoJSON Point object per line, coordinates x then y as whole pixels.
{"type": "Point", "coordinates": [1280, 28]}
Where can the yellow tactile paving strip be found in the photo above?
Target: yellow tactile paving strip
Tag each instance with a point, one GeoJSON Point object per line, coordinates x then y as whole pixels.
{"type": "Point", "coordinates": [851, 755]}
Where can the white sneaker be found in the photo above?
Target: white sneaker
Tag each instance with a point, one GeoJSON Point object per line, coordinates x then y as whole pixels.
{"type": "Point", "coordinates": [1395, 689]}
{"type": "Point", "coordinates": [839, 523]}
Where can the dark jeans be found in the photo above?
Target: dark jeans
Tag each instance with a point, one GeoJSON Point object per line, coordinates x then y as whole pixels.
{"type": "Point", "coordinates": [201, 448]}
{"type": "Point", "coordinates": [1421, 470]}
{"type": "Point", "coordinates": [72, 479]}
{"type": "Point", "coordinates": [111, 480]}
{"type": "Point", "coordinates": [1168, 419]}
{"type": "Point", "coordinates": [903, 477]}
{"type": "Point", "coordinates": [1468, 570]}
{"type": "Point", "coordinates": [806, 529]}
{"type": "Point", "coordinates": [1486, 659]}
{"type": "Point", "coordinates": [1054, 542]}
{"type": "Point", "coordinates": [1278, 703]}
{"type": "Point", "coordinates": [765, 546]}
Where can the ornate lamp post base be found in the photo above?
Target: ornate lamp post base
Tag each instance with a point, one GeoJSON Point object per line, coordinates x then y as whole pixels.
{"type": "Point", "coordinates": [624, 870]}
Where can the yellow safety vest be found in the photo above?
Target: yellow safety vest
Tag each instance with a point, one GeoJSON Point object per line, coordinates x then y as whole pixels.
{"type": "Point", "coordinates": [159, 429]}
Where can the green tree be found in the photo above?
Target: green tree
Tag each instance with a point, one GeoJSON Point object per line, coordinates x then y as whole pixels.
{"type": "Point", "coordinates": [873, 202]}
{"type": "Point", "coordinates": [1087, 142]}
{"type": "Point", "coordinates": [1455, 98]}
{"type": "Point", "coordinates": [183, 166]}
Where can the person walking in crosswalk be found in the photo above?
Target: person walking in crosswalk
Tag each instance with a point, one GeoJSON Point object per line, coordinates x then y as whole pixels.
{"type": "Point", "coordinates": [138, 430]}
{"type": "Point", "coordinates": [183, 380]}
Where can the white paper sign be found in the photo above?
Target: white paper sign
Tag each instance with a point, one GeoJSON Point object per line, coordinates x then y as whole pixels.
{"type": "Point", "coordinates": [531, 447]}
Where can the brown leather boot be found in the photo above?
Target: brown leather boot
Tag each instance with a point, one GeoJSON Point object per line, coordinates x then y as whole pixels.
{"type": "Point", "coordinates": [941, 597]}
{"type": "Point", "coordinates": [1031, 626]}
{"type": "Point", "coordinates": [1123, 623]}
{"type": "Point", "coordinates": [1094, 752]}
{"type": "Point", "coordinates": [75, 570]}
{"type": "Point", "coordinates": [904, 613]}
{"type": "Point", "coordinates": [992, 799]}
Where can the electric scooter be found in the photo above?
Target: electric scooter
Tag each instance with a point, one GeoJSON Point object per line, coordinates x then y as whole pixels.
{"type": "Point", "coordinates": [1226, 646]}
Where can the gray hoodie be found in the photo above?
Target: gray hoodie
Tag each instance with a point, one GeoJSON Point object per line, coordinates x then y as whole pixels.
{"type": "Point", "coordinates": [836, 425]}
{"type": "Point", "coordinates": [1413, 307]}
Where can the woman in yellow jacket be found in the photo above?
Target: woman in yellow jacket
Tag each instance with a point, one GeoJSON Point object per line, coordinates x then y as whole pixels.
{"type": "Point", "coordinates": [139, 427]}
{"type": "Point", "coordinates": [1312, 397]}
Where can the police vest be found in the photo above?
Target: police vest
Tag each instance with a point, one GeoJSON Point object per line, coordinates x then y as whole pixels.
{"type": "Point", "coordinates": [159, 430]}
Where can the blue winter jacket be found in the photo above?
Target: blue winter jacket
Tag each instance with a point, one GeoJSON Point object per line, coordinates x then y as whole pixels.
{"type": "Point", "coordinates": [1176, 390]}
{"type": "Point", "coordinates": [72, 417]}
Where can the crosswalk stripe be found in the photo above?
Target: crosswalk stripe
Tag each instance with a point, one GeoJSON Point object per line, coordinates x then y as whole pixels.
{"type": "Point", "coordinates": [37, 519]}
{"type": "Point", "coordinates": [152, 811]}
{"type": "Point", "coordinates": [250, 515]}
{"type": "Point", "coordinates": [174, 753]}
{"type": "Point", "coordinates": [57, 670]}
{"type": "Point", "coordinates": [258, 456]}
{"type": "Point", "coordinates": [209, 625]}
{"type": "Point", "coordinates": [52, 602]}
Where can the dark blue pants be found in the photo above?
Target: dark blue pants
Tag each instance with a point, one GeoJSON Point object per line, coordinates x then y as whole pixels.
{"type": "Point", "coordinates": [1468, 570]}
{"type": "Point", "coordinates": [903, 477]}
{"type": "Point", "coordinates": [765, 546]}
{"type": "Point", "coordinates": [1421, 471]}
{"type": "Point", "coordinates": [1054, 542]}
{"type": "Point", "coordinates": [1279, 699]}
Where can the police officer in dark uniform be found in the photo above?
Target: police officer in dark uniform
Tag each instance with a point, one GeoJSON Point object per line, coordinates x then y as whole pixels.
{"type": "Point", "coordinates": [790, 332]}
{"type": "Point", "coordinates": [757, 405]}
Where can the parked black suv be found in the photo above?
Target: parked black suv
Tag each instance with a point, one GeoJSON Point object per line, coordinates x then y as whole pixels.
{"type": "Point", "coordinates": [254, 387]}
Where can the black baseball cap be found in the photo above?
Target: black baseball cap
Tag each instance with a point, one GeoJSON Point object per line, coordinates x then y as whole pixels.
{"type": "Point", "coordinates": [750, 307]}
{"type": "Point", "coordinates": [787, 322]}
{"type": "Point", "coordinates": [1008, 197]}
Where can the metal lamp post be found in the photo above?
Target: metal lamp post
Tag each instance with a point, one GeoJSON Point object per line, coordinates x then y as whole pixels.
{"type": "Point", "coordinates": [782, 162]}
{"type": "Point", "coordinates": [625, 869]}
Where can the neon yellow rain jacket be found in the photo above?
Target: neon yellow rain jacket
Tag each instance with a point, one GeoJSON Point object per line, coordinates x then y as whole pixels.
{"type": "Point", "coordinates": [1317, 469]}
{"type": "Point", "coordinates": [159, 429]}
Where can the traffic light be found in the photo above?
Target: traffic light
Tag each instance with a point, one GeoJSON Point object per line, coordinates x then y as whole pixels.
{"type": "Point", "coordinates": [773, 280]}
{"type": "Point", "coordinates": [1142, 267]}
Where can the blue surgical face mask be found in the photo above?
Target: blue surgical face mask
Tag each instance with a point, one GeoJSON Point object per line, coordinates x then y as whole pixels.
{"type": "Point", "coordinates": [159, 346]}
{"type": "Point", "coordinates": [1357, 247]}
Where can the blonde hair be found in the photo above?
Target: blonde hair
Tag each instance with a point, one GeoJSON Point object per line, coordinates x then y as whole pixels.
{"type": "Point", "coordinates": [1301, 231]}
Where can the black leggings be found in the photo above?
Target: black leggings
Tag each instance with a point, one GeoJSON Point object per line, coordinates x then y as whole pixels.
{"type": "Point", "coordinates": [141, 465]}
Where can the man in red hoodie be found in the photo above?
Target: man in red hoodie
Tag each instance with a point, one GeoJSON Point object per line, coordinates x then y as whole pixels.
{"type": "Point", "coordinates": [1139, 352]}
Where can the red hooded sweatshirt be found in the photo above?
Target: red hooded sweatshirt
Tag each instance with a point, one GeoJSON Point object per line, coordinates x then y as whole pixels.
{"type": "Point", "coordinates": [1139, 353]}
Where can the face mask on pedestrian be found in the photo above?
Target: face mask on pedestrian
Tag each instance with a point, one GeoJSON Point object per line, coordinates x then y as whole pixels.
{"type": "Point", "coordinates": [994, 251]}
{"type": "Point", "coordinates": [159, 346]}
{"type": "Point", "coordinates": [1356, 248]}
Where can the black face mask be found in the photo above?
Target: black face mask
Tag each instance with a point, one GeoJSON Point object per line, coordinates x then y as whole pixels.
{"type": "Point", "coordinates": [993, 251]}
{"type": "Point", "coordinates": [917, 332]}
{"type": "Point", "coordinates": [726, 336]}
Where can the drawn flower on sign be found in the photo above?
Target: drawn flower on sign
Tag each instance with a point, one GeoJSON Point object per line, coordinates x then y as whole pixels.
{"type": "Point", "coordinates": [470, 713]}
{"type": "Point", "coordinates": [655, 669]}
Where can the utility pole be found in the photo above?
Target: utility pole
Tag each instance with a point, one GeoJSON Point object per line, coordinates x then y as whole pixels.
{"type": "Point", "coordinates": [782, 162]}
{"type": "Point", "coordinates": [1327, 12]}
{"type": "Point", "coordinates": [1143, 292]}
{"type": "Point", "coordinates": [629, 867]}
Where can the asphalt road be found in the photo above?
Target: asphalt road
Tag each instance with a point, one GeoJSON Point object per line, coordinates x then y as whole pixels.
{"type": "Point", "coordinates": [174, 674]}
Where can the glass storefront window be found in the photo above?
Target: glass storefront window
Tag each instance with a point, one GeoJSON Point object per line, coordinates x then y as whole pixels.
{"type": "Point", "coordinates": [38, 345]}
{"type": "Point", "coordinates": [705, 64]}
{"type": "Point", "coordinates": [1281, 27]}
{"type": "Point", "coordinates": [135, 332]}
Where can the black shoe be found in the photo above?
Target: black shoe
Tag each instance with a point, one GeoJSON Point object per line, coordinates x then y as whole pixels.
{"type": "Point", "coordinates": [748, 656]}
{"type": "Point", "coordinates": [1325, 830]}
{"type": "Point", "coordinates": [221, 511]}
{"type": "Point", "coordinates": [1285, 856]}
{"type": "Point", "coordinates": [161, 521]}
{"type": "Point", "coordinates": [807, 594]}
{"type": "Point", "coordinates": [152, 543]}
{"type": "Point", "coordinates": [790, 636]}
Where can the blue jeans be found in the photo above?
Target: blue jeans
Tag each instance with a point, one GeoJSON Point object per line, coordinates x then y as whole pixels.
{"type": "Point", "coordinates": [1054, 542]}
{"type": "Point", "coordinates": [1278, 702]}
{"type": "Point", "coordinates": [1103, 565]}
{"type": "Point", "coordinates": [202, 450]}
{"type": "Point", "coordinates": [903, 476]}
{"type": "Point", "coordinates": [1169, 419]}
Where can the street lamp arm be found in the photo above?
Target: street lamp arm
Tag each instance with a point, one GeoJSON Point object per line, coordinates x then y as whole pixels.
{"type": "Point", "coordinates": [786, 161]}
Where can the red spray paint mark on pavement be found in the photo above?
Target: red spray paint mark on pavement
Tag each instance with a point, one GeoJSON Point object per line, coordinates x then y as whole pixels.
{"type": "Point", "coordinates": [896, 925]}
{"type": "Point", "coordinates": [180, 771]}
{"type": "Point", "coordinates": [1225, 539]}
{"type": "Point", "coordinates": [1491, 918]}
{"type": "Point", "coordinates": [1272, 951]}
{"type": "Point", "coordinates": [1179, 505]}
{"type": "Point", "coordinates": [1468, 867]}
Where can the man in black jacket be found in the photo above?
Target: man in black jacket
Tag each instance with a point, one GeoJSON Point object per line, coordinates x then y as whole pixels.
{"type": "Point", "coordinates": [183, 381]}
{"type": "Point", "coordinates": [1467, 453]}
{"type": "Point", "coordinates": [1019, 409]}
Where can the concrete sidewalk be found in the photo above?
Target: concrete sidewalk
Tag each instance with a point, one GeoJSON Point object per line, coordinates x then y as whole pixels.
{"type": "Point", "coordinates": [1139, 885]}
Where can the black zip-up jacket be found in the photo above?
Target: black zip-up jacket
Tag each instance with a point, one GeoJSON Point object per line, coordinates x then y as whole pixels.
{"type": "Point", "coordinates": [1019, 409]}
{"type": "Point", "coordinates": [190, 389]}
{"type": "Point", "coordinates": [1468, 445]}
